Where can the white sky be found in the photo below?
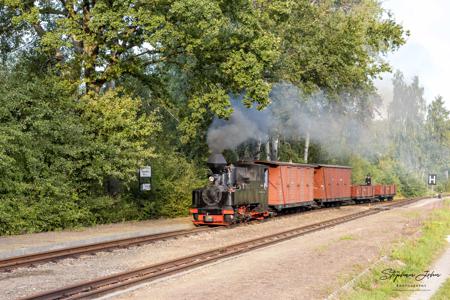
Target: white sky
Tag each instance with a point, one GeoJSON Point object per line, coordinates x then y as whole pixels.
{"type": "Point", "coordinates": [427, 51]}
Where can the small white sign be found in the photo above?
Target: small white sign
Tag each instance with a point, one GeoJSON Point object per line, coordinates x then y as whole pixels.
{"type": "Point", "coordinates": [146, 187]}
{"type": "Point", "coordinates": [432, 179]}
{"type": "Point", "coordinates": [145, 171]}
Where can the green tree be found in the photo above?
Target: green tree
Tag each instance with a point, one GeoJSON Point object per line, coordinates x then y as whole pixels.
{"type": "Point", "coordinates": [438, 139]}
{"type": "Point", "coordinates": [57, 153]}
{"type": "Point", "coordinates": [438, 120]}
{"type": "Point", "coordinates": [210, 48]}
{"type": "Point", "coordinates": [335, 45]}
{"type": "Point", "coordinates": [195, 53]}
{"type": "Point", "coordinates": [406, 116]}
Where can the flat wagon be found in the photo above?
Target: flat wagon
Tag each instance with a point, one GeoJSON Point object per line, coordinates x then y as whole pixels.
{"type": "Point", "coordinates": [385, 191]}
{"type": "Point", "coordinates": [363, 193]}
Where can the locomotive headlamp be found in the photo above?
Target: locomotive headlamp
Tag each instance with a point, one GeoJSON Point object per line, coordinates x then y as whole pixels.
{"type": "Point", "coordinates": [211, 178]}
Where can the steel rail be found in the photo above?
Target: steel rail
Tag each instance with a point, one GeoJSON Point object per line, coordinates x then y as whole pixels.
{"type": "Point", "coordinates": [53, 255]}
{"type": "Point", "coordinates": [113, 282]}
{"type": "Point", "coordinates": [34, 259]}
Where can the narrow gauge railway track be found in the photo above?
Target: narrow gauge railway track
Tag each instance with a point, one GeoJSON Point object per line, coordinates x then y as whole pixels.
{"type": "Point", "coordinates": [34, 259]}
{"type": "Point", "coordinates": [104, 285]}
{"type": "Point", "coordinates": [42, 257]}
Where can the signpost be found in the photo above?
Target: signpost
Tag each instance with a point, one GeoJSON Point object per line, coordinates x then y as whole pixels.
{"type": "Point", "coordinates": [145, 178]}
{"type": "Point", "coordinates": [432, 178]}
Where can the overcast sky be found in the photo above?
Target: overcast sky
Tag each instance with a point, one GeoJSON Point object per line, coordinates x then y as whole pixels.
{"type": "Point", "coordinates": [427, 51]}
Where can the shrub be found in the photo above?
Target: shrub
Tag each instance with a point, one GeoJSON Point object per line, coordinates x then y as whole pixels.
{"type": "Point", "coordinates": [174, 178]}
{"type": "Point", "coordinates": [57, 151]}
{"type": "Point", "coordinates": [387, 171]}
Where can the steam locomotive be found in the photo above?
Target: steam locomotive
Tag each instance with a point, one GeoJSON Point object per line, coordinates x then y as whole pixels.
{"type": "Point", "coordinates": [260, 189]}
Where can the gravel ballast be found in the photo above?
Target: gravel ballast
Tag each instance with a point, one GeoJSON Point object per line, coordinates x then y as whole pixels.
{"type": "Point", "coordinates": [281, 259]}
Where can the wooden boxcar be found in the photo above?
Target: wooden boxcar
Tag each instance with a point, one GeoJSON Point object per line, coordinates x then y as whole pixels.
{"type": "Point", "coordinates": [332, 183]}
{"type": "Point", "coordinates": [290, 184]}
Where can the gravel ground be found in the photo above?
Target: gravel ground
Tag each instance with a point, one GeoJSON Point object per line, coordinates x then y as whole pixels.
{"type": "Point", "coordinates": [308, 267]}
{"type": "Point", "coordinates": [38, 242]}
{"type": "Point", "coordinates": [26, 281]}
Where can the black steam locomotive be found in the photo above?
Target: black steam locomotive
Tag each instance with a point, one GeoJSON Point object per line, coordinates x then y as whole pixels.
{"type": "Point", "coordinates": [233, 192]}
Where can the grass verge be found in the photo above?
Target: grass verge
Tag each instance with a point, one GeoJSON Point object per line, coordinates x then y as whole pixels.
{"type": "Point", "coordinates": [411, 257]}
{"type": "Point", "coordinates": [347, 237]}
{"type": "Point", "coordinates": [444, 292]}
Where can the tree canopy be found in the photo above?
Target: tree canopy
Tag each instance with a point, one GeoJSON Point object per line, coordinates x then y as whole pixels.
{"type": "Point", "coordinates": [93, 89]}
{"type": "Point", "coordinates": [194, 54]}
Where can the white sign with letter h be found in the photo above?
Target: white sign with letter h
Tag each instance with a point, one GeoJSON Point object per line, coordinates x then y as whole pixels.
{"type": "Point", "coordinates": [432, 179]}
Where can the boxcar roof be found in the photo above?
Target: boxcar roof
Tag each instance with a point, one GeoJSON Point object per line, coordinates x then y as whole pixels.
{"type": "Point", "coordinates": [281, 163]}
{"type": "Point", "coordinates": [246, 163]}
{"type": "Point", "coordinates": [334, 166]}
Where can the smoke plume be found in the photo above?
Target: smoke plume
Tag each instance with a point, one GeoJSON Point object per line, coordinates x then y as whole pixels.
{"type": "Point", "coordinates": [292, 115]}
{"type": "Point", "coordinates": [228, 134]}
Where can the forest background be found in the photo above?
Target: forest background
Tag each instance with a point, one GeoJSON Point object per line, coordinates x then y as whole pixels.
{"type": "Point", "coordinates": [92, 90]}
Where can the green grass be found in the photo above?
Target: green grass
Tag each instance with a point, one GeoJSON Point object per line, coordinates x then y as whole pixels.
{"type": "Point", "coordinates": [412, 214]}
{"type": "Point", "coordinates": [444, 292]}
{"type": "Point", "coordinates": [347, 237]}
{"type": "Point", "coordinates": [322, 248]}
{"type": "Point", "coordinates": [410, 257]}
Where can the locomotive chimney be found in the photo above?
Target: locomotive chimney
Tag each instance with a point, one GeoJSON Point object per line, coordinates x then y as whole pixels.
{"type": "Point", "coordinates": [216, 162]}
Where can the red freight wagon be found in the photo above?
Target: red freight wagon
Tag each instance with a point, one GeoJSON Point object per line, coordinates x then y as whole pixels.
{"type": "Point", "coordinates": [385, 191]}
{"type": "Point", "coordinates": [332, 183]}
{"type": "Point", "coordinates": [379, 189]}
{"type": "Point", "coordinates": [390, 190]}
{"type": "Point", "coordinates": [361, 192]}
{"type": "Point", "coordinates": [290, 184]}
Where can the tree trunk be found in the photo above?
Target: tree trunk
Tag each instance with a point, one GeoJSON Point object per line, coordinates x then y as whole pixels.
{"type": "Point", "coordinates": [268, 149]}
{"type": "Point", "coordinates": [275, 142]}
{"type": "Point", "coordinates": [258, 149]}
{"type": "Point", "coordinates": [305, 156]}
